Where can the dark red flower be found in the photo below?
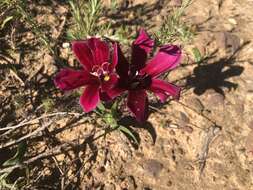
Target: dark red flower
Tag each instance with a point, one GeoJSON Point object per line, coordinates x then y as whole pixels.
{"type": "Point", "coordinates": [142, 75]}
{"type": "Point", "coordinates": [98, 73]}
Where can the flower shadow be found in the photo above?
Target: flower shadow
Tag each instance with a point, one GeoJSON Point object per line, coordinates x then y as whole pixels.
{"type": "Point", "coordinates": [131, 123]}
{"type": "Point", "coordinates": [215, 75]}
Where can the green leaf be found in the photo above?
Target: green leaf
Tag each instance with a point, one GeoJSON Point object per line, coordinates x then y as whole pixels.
{"type": "Point", "coordinates": [114, 110]}
{"type": "Point", "coordinates": [9, 18]}
{"type": "Point", "coordinates": [197, 54]}
{"type": "Point", "coordinates": [129, 133]}
{"type": "Point", "coordinates": [109, 119]}
{"type": "Point", "coordinates": [101, 107]}
{"type": "Point", "coordinates": [17, 158]}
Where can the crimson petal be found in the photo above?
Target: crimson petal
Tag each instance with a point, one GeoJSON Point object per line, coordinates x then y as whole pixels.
{"type": "Point", "coordinates": [107, 85]}
{"type": "Point", "coordinates": [114, 57]}
{"type": "Point", "coordinates": [137, 102]}
{"type": "Point", "coordinates": [68, 79]}
{"type": "Point", "coordinates": [90, 98]}
{"type": "Point", "coordinates": [164, 89]}
{"type": "Point", "coordinates": [84, 54]}
{"type": "Point", "coordinates": [114, 92]}
{"type": "Point", "coordinates": [166, 59]}
{"type": "Point", "coordinates": [122, 67]}
{"type": "Point", "coordinates": [140, 49]}
{"type": "Point", "coordinates": [100, 50]}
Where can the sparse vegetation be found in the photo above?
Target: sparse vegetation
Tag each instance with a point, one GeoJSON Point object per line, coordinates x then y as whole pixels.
{"type": "Point", "coordinates": [174, 28]}
{"type": "Point", "coordinates": [49, 141]}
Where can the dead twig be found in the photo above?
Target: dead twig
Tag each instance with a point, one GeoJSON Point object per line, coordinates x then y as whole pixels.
{"type": "Point", "coordinates": [52, 152]}
{"type": "Point", "coordinates": [210, 134]}
{"type": "Point", "coordinates": [36, 120]}
{"type": "Point", "coordinates": [28, 136]}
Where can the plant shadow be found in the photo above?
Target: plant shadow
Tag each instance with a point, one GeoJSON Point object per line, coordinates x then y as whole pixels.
{"type": "Point", "coordinates": [131, 123]}
{"type": "Point", "coordinates": [215, 75]}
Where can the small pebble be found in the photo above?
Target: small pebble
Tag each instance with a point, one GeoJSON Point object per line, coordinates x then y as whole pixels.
{"type": "Point", "coordinates": [65, 45]}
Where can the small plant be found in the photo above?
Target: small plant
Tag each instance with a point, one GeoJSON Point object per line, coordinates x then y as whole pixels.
{"type": "Point", "coordinates": [48, 104]}
{"type": "Point", "coordinates": [16, 159]}
{"type": "Point", "coordinates": [108, 77]}
{"type": "Point", "coordinates": [88, 21]}
{"type": "Point", "coordinates": [173, 28]}
{"type": "Point", "coordinates": [86, 15]}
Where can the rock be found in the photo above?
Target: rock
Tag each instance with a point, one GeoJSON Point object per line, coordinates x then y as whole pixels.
{"type": "Point", "coordinates": [250, 125]}
{"type": "Point", "coordinates": [232, 21]}
{"type": "Point", "coordinates": [188, 129]}
{"type": "Point", "coordinates": [175, 3]}
{"type": "Point", "coordinates": [214, 99]}
{"type": "Point", "coordinates": [227, 42]}
{"type": "Point", "coordinates": [153, 167]}
{"type": "Point", "coordinates": [109, 186]}
{"type": "Point", "coordinates": [239, 108]}
{"type": "Point", "coordinates": [184, 119]}
{"type": "Point", "coordinates": [128, 183]}
{"type": "Point", "coordinates": [66, 45]}
{"type": "Point", "coordinates": [229, 27]}
{"type": "Point", "coordinates": [196, 104]}
{"type": "Point", "coordinates": [172, 132]}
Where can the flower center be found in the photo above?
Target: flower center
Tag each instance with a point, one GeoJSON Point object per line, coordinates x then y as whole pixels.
{"type": "Point", "coordinates": [101, 71]}
{"type": "Point", "coordinates": [138, 81]}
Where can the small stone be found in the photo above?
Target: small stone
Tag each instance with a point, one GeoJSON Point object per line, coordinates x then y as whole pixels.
{"type": "Point", "coordinates": [232, 21]}
{"type": "Point", "coordinates": [175, 3]}
{"type": "Point", "coordinates": [128, 183]}
{"type": "Point", "coordinates": [153, 167]}
{"type": "Point", "coordinates": [189, 167]}
{"type": "Point", "coordinates": [173, 126]}
{"type": "Point", "coordinates": [249, 143]}
{"type": "Point", "coordinates": [172, 132]}
{"type": "Point", "coordinates": [196, 104]}
{"type": "Point", "coordinates": [229, 27]}
{"type": "Point", "coordinates": [184, 118]}
{"type": "Point", "coordinates": [239, 108]}
{"type": "Point", "coordinates": [109, 186]}
{"type": "Point", "coordinates": [215, 99]}
{"type": "Point", "coordinates": [188, 129]}
{"type": "Point", "coordinates": [139, 154]}
{"type": "Point", "coordinates": [250, 125]}
{"type": "Point", "coordinates": [227, 41]}
{"type": "Point", "coordinates": [101, 169]}
{"type": "Point", "coordinates": [65, 45]}
{"type": "Point", "coordinates": [169, 183]}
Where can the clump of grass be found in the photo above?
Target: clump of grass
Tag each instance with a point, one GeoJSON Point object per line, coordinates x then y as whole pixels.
{"type": "Point", "coordinates": [173, 28]}
{"type": "Point", "coordinates": [86, 15]}
{"type": "Point", "coordinates": [17, 10]}
{"type": "Point", "coordinates": [88, 20]}
{"type": "Point", "coordinates": [48, 104]}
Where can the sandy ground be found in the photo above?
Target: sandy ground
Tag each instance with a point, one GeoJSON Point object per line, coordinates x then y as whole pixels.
{"type": "Point", "coordinates": [201, 142]}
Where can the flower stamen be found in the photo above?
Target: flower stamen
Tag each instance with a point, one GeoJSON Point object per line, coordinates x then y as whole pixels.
{"type": "Point", "coordinates": [106, 78]}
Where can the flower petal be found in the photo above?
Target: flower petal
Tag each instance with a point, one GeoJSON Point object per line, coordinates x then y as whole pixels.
{"type": "Point", "coordinates": [140, 49]}
{"type": "Point", "coordinates": [122, 67]}
{"type": "Point", "coordinates": [68, 79]}
{"type": "Point", "coordinates": [166, 59]}
{"type": "Point", "coordinates": [114, 92]}
{"type": "Point", "coordinates": [83, 53]}
{"type": "Point", "coordinates": [114, 57]}
{"type": "Point", "coordinates": [100, 50]}
{"type": "Point", "coordinates": [107, 85]}
{"type": "Point", "coordinates": [137, 102]}
{"type": "Point", "coordinates": [90, 98]}
{"type": "Point", "coordinates": [164, 89]}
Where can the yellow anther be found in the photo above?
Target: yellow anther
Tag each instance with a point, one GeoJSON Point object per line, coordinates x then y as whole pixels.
{"type": "Point", "coordinates": [106, 77]}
